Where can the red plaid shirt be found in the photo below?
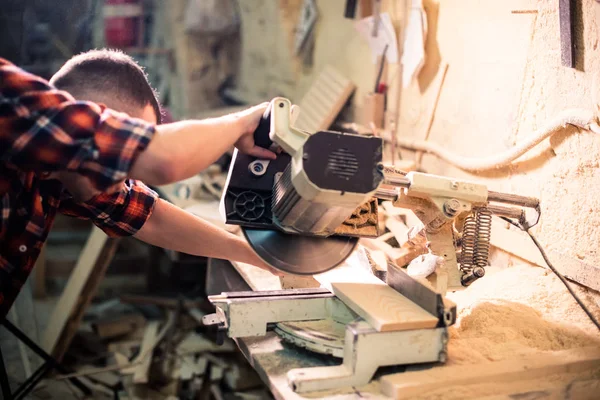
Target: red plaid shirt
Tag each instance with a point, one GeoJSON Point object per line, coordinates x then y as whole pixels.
{"type": "Point", "coordinates": [43, 130]}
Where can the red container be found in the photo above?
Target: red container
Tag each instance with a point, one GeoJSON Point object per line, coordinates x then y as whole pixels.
{"type": "Point", "coordinates": [121, 22]}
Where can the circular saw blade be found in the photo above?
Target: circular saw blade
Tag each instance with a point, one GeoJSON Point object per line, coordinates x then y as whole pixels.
{"type": "Point", "coordinates": [299, 255]}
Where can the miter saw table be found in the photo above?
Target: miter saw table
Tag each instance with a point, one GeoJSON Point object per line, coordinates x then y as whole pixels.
{"type": "Point", "coordinates": [270, 355]}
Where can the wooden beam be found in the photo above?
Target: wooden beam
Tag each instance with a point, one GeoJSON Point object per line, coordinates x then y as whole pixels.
{"type": "Point", "coordinates": [148, 342]}
{"type": "Point", "coordinates": [409, 384]}
{"type": "Point", "coordinates": [383, 307]}
{"type": "Point", "coordinates": [79, 292]}
{"type": "Point", "coordinates": [324, 100]}
{"type": "Point", "coordinates": [586, 389]}
{"type": "Point", "coordinates": [519, 244]}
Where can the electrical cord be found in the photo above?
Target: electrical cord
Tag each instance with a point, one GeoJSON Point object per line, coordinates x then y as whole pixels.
{"type": "Point", "coordinates": [581, 118]}
{"type": "Point", "coordinates": [558, 274]}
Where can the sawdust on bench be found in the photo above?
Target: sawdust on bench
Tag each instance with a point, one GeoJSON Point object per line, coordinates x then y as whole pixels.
{"type": "Point", "coordinates": [519, 311]}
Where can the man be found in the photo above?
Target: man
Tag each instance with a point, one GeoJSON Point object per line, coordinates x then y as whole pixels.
{"type": "Point", "coordinates": [74, 157]}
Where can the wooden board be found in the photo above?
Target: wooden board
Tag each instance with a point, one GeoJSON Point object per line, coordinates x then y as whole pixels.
{"type": "Point", "coordinates": [408, 384]}
{"type": "Point", "coordinates": [81, 288]}
{"type": "Point", "coordinates": [257, 278]}
{"type": "Point", "coordinates": [518, 243]}
{"type": "Point", "coordinates": [150, 334]}
{"type": "Point", "coordinates": [579, 389]}
{"type": "Point", "coordinates": [324, 100]}
{"type": "Point", "coordinates": [383, 307]}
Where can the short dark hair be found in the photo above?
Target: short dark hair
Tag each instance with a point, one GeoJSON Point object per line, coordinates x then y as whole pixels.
{"type": "Point", "coordinates": [110, 77]}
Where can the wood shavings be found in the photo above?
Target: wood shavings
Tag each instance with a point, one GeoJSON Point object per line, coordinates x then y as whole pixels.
{"type": "Point", "coordinates": [519, 311]}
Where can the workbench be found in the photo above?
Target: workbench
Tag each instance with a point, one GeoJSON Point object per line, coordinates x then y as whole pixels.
{"type": "Point", "coordinates": [269, 355]}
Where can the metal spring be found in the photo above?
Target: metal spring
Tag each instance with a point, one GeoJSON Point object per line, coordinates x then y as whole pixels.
{"type": "Point", "coordinates": [484, 233]}
{"type": "Point", "coordinates": [468, 242]}
{"type": "Point", "coordinates": [475, 246]}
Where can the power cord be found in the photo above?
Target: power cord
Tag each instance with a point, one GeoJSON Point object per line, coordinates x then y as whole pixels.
{"type": "Point", "coordinates": [558, 274]}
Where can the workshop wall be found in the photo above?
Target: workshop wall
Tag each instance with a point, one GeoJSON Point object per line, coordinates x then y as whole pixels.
{"type": "Point", "coordinates": [505, 80]}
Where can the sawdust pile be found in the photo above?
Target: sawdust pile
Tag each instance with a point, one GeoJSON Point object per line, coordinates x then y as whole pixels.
{"type": "Point", "coordinates": [517, 311]}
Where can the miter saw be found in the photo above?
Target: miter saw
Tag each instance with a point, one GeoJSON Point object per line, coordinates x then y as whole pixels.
{"type": "Point", "coordinates": [304, 213]}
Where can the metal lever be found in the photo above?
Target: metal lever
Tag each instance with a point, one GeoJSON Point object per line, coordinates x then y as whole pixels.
{"type": "Point", "coordinates": [261, 134]}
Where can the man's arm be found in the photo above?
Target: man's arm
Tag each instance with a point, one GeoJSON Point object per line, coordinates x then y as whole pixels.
{"type": "Point", "coordinates": [173, 228]}
{"type": "Point", "coordinates": [136, 210]}
{"type": "Point", "coordinates": [45, 130]}
{"type": "Point", "coordinates": [179, 150]}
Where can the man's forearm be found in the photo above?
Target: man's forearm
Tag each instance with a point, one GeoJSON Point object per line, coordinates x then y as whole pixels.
{"type": "Point", "coordinates": [173, 228]}
{"type": "Point", "coordinates": [181, 149]}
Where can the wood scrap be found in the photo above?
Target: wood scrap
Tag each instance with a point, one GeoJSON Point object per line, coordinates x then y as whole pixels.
{"type": "Point", "coordinates": [190, 366]}
{"type": "Point", "coordinates": [398, 228]}
{"type": "Point", "coordinates": [124, 347]}
{"type": "Point", "coordinates": [141, 371]}
{"type": "Point", "coordinates": [109, 328]}
{"type": "Point", "coordinates": [79, 292]}
{"type": "Point", "coordinates": [241, 376]}
{"type": "Point", "coordinates": [409, 384]}
{"type": "Point", "coordinates": [196, 343]}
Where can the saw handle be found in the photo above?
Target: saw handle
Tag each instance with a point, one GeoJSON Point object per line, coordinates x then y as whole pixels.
{"type": "Point", "coordinates": [261, 134]}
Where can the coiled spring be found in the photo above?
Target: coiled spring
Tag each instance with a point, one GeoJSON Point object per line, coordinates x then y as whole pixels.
{"type": "Point", "coordinates": [475, 246]}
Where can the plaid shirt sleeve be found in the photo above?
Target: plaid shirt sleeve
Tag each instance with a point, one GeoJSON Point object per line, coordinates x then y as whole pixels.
{"type": "Point", "coordinates": [119, 213]}
{"type": "Point", "coordinates": [43, 129]}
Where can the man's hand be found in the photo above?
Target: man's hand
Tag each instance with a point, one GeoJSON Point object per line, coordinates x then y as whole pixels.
{"type": "Point", "coordinates": [181, 149]}
{"type": "Point", "coordinates": [248, 121]}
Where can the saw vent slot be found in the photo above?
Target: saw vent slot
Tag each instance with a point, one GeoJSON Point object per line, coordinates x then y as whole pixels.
{"type": "Point", "coordinates": [285, 196]}
{"type": "Point", "coordinates": [342, 163]}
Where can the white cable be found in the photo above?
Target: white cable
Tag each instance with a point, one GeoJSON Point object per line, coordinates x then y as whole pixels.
{"type": "Point", "coordinates": [581, 118]}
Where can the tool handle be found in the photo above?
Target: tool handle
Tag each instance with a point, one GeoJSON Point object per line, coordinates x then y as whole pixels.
{"type": "Point", "coordinates": [523, 201]}
{"type": "Point", "coordinates": [261, 134]}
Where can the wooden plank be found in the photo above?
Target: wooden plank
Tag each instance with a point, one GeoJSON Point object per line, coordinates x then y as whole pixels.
{"type": "Point", "coordinates": [409, 384]}
{"type": "Point", "coordinates": [256, 278]}
{"type": "Point", "coordinates": [79, 292]}
{"type": "Point", "coordinates": [579, 389]}
{"type": "Point", "coordinates": [148, 342]}
{"type": "Point", "coordinates": [398, 228]}
{"type": "Point", "coordinates": [331, 91]}
{"type": "Point", "coordinates": [519, 244]}
{"type": "Point", "coordinates": [113, 327]}
{"type": "Point", "coordinates": [383, 307]}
